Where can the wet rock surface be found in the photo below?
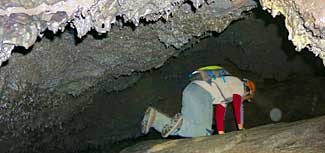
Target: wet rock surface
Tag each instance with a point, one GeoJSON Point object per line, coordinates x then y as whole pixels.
{"type": "Point", "coordinates": [301, 136]}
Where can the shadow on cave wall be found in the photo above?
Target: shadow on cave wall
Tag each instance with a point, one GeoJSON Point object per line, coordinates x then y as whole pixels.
{"type": "Point", "coordinates": [256, 48]}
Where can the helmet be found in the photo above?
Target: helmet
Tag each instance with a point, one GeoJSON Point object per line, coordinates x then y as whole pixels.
{"type": "Point", "coordinates": [208, 72]}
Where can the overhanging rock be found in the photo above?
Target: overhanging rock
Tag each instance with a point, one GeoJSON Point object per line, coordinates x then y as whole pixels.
{"type": "Point", "coordinates": [21, 22]}
{"type": "Point", "coordinates": [305, 21]}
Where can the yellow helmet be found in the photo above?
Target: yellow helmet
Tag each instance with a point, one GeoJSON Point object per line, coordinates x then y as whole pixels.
{"type": "Point", "coordinates": [208, 72]}
{"type": "Point", "coordinates": [213, 67]}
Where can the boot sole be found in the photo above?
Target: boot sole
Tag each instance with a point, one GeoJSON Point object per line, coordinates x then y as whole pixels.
{"type": "Point", "coordinates": [147, 122]}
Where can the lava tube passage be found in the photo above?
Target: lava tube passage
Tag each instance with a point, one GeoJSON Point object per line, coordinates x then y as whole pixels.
{"type": "Point", "coordinates": [162, 76]}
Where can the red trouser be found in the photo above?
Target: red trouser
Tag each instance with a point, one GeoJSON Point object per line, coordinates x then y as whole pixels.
{"type": "Point", "coordinates": [220, 112]}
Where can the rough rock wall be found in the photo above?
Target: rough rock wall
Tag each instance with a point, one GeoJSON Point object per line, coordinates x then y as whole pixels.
{"type": "Point", "coordinates": [54, 80]}
{"type": "Point", "coordinates": [305, 21]}
{"type": "Point", "coordinates": [21, 22]}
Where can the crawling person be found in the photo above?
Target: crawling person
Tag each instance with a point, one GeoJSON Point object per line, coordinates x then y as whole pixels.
{"type": "Point", "coordinates": [211, 85]}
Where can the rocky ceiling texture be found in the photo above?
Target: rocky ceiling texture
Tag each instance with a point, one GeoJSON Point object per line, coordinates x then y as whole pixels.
{"type": "Point", "coordinates": [21, 22]}
{"type": "Point", "coordinates": [46, 85]}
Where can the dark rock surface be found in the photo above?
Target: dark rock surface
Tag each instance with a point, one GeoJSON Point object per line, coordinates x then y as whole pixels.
{"type": "Point", "coordinates": [299, 137]}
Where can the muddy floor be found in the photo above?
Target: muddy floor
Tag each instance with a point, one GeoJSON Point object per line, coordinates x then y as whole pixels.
{"type": "Point", "coordinates": [296, 94]}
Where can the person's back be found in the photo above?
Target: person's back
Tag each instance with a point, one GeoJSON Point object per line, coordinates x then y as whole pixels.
{"type": "Point", "coordinates": [223, 88]}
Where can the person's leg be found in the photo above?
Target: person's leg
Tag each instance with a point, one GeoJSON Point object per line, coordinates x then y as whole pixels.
{"type": "Point", "coordinates": [155, 119]}
{"type": "Point", "coordinates": [197, 112]}
{"type": "Point", "coordinates": [238, 110]}
{"type": "Point", "coordinates": [173, 127]}
{"type": "Point", "coordinates": [219, 116]}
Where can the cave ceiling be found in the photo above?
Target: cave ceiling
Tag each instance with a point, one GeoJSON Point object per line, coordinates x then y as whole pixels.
{"type": "Point", "coordinates": [22, 22]}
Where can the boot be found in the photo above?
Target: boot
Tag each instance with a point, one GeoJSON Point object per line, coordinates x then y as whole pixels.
{"type": "Point", "coordinates": [148, 119]}
{"type": "Point", "coordinates": [174, 124]}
